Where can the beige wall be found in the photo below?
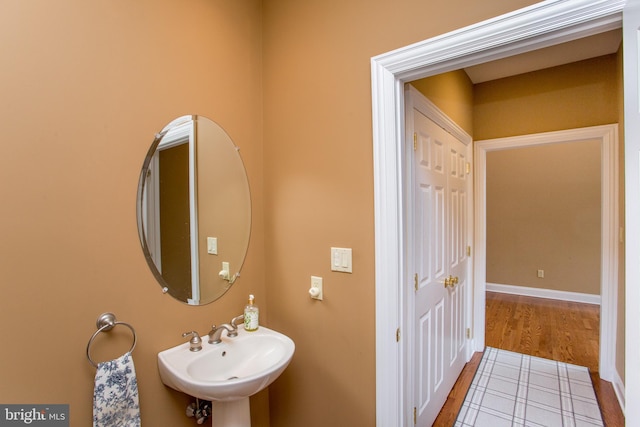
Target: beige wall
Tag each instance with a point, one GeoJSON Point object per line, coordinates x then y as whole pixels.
{"type": "Point", "coordinates": [226, 216]}
{"type": "Point", "coordinates": [569, 96]}
{"type": "Point", "coordinates": [452, 93]}
{"type": "Point", "coordinates": [319, 189]}
{"type": "Point", "coordinates": [543, 213]}
{"type": "Point", "coordinates": [84, 88]}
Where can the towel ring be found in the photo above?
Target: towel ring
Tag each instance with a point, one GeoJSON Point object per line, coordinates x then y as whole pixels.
{"type": "Point", "coordinates": [106, 322]}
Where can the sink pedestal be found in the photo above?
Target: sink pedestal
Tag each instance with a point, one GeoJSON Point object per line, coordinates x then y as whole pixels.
{"type": "Point", "coordinates": [234, 413]}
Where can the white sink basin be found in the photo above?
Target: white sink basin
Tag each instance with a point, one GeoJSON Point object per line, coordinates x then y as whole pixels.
{"type": "Point", "coordinates": [234, 369]}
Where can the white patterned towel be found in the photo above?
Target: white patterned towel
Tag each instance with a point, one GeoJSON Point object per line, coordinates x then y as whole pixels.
{"type": "Point", "coordinates": [115, 396]}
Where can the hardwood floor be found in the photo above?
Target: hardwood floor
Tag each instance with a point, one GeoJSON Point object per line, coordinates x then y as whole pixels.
{"type": "Point", "coordinates": [449, 412]}
{"type": "Point", "coordinates": [558, 330]}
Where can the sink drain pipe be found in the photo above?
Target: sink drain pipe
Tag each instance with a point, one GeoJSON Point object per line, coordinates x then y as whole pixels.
{"type": "Point", "coordinates": [200, 410]}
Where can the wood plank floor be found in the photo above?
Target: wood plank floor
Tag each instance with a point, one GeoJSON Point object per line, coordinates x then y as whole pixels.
{"type": "Point", "coordinates": [558, 330]}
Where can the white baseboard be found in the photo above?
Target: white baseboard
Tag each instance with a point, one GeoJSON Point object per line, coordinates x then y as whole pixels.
{"type": "Point", "coordinates": [544, 293]}
{"type": "Point", "coordinates": [618, 388]}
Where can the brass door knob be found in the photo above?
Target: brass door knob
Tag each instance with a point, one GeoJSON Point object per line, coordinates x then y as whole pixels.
{"type": "Point", "coordinates": [450, 281]}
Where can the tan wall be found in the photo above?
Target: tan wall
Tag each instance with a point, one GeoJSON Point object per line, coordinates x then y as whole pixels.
{"type": "Point", "coordinates": [543, 213]}
{"type": "Point", "coordinates": [226, 216]}
{"type": "Point", "coordinates": [452, 93]}
{"type": "Point", "coordinates": [85, 87]}
{"type": "Point", "coordinates": [319, 189]}
{"type": "Point", "coordinates": [570, 96]}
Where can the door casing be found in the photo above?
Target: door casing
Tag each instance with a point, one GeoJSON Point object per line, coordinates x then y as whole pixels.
{"type": "Point", "coordinates": [540, 25]}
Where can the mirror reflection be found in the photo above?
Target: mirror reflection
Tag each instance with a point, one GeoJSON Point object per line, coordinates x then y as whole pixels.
{"type": "Point", "coordinates": [194, 210]}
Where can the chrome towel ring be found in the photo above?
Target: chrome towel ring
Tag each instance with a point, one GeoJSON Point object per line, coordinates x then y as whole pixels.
{"type": "Point", "coordinates": [104, 323]}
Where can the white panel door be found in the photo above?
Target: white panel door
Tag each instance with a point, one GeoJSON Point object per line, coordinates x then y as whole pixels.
{"type": "Point", "coordinates": [438, 202]}
{"type": "Point", "coordinates": [459, 204]}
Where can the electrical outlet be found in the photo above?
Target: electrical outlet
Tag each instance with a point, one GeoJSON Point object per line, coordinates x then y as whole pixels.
{"type": "Point", "coordinates": [541, 274]}
{"type": "Point", "coordinates": [316, 288]}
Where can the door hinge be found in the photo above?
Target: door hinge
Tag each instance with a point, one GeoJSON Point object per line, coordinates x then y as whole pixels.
{"type": "Point", "coordinates": [398, 335]}
{"type": "Point", "coordinates": [468, 333]}
{"type": "Point", "coordinates": [415, 415]}
{"type": "Point", "coordinates": [468, 168]}
{"type": "Point", "coordinates": [415, 141]}
{"type": "Point", "coordinates": [468, 250]}
{"type": "Point", "coordinates": [415, 281]}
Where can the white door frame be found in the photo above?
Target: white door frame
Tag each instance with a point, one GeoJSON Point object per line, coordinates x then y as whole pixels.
{"type": "Point", "coordinates": [542, 24]}
{"type": "Point", "coordinates": [608, 137]}
{"type": "Point", "coordinates": [631, 61]}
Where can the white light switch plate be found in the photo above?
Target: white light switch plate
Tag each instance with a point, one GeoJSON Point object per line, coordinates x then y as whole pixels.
{"type": "Point", "coordinates": [341, 260]}
{"type": "Point", "coordinates": [212, 245]}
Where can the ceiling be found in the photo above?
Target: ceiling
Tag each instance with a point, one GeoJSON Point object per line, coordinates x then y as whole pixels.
{"type": "Point", "coordinates": [573, 51]}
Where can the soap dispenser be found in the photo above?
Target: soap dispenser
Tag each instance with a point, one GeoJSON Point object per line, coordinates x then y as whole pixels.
{"type": "Point", "coordinates": [251, 314]}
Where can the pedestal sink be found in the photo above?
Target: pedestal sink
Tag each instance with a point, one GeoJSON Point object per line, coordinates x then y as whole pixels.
{"type": "Point", "coordinates": [229, 372]}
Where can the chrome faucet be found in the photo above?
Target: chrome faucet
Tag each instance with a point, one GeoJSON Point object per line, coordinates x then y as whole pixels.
{"type": "Point", "coordinates": [238, 320]}
{"type": "Point", "coordinates": [215, 335]}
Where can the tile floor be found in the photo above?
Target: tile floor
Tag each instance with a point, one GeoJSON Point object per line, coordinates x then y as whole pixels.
{"type": "Point", "coordinates": [512, 389]}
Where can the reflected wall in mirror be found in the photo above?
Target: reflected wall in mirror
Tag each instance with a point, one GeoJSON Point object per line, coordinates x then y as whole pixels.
{"type": "Point", "coordinates": [194, 210]}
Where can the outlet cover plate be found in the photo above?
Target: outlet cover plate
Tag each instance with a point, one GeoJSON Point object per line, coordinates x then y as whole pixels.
{"type": "Point", "coordinates": [316, 282]}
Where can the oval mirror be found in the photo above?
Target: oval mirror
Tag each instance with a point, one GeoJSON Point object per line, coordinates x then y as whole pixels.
{"type": "Point", "coordinates": [194, 210]}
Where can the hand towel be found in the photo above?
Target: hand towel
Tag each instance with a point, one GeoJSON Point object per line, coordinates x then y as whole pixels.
{"type": "Point", "coordinates": [115, 397]}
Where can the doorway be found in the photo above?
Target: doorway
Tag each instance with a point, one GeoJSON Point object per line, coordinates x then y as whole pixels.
{"type": "Point", "coordinates": [535, 27]}
{"type": "Point", "coordinates": [607, 136]}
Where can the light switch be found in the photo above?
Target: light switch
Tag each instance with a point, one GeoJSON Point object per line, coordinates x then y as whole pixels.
{"type": "Point", "coordinates": [346, 258]}
{"type": "Point", "coordinates": [341, 260]}
{"type": "Point", "coordinates": [212, 245]}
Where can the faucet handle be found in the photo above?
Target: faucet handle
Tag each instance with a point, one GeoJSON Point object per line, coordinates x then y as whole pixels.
{"type": "Point", "coordinates": [195, 343]}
